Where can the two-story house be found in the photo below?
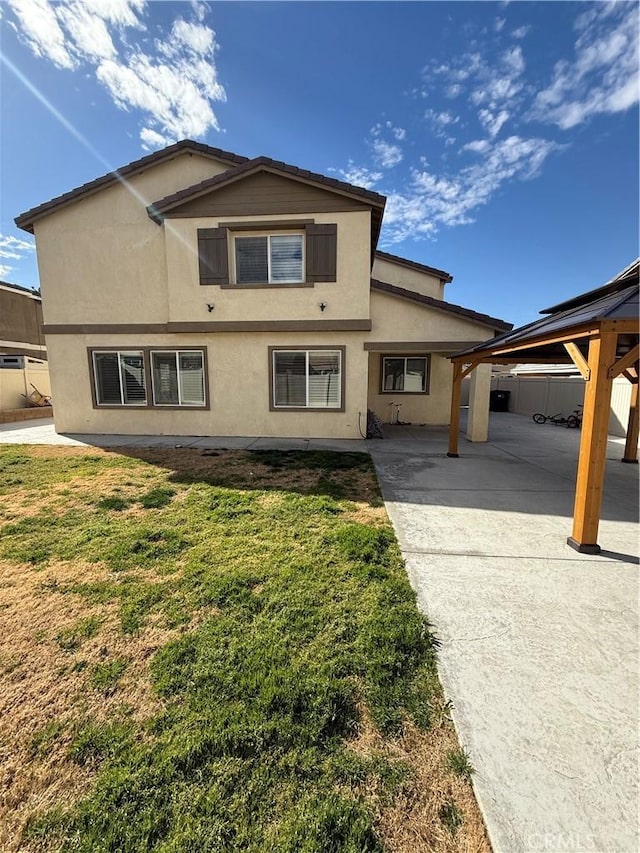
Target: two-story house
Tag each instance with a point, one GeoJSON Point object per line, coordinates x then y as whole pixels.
{"type": "Point", "coordinates": [197, 292]}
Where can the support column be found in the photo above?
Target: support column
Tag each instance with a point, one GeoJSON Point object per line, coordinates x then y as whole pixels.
{"type": "Point", "coordinates": [454, 424]}
{"type": "Point", "coordinates": [631, 444]}
{"type": "Point", "coordinates": [478, 421]}
{"type": "Point", "coordinates": [593, 445]}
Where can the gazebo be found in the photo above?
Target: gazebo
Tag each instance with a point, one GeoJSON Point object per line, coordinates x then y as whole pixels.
{"type": "Point", "coordinates": [598, 332]}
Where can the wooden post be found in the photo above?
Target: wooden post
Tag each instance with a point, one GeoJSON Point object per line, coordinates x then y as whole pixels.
{"type": "Point", "coordinates": [593, 445]}
{"type": "Point", "coordinates": [454, 426]}
{"type": "Point", "coordinates": [631, 444]}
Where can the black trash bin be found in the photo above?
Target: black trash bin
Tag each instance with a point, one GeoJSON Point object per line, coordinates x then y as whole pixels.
{"type": "Point", "coordinates": [499, 401]}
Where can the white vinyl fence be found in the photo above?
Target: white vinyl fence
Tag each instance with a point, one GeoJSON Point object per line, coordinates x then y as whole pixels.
{"type": "Point", "coordinates": [552, 394]}
{"type": "Point", "coordinates": [14, 382]}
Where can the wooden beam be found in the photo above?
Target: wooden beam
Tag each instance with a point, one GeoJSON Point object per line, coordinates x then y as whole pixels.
{"type": "Point", "coordinates": [512, 359]}
{"type": "Point", "coordinates": [454, 426]}
{"type": "Point", "coordinates": [559, 338]}
{"type": "Point", "coordinates": [626, 361]}
{"type": "Point", "coordinates": [469, 368]}
{"type": "Point", "coordinates": [578, 359]}
{"type": "Point", "coordinates": [593, 445]}
{"type": "Point", "coordinates": [625, 326]}
{"type": "Point", "coordinates": [631, 373]}
{"type": "Point", "coordinates": [633, 427]}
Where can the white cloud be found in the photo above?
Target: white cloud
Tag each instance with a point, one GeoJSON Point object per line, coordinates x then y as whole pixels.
{"type": "Point", "coordinates": [493, 122]}
{"type": "Point", "coordinates": [386, 154]}
{"type": "Point", "coordinates": [151, 140]}
{"type": "Point", "coordinates": [498, 24]}
{"type": "Point", "coordinates": [359, 176]}
{"type": "Point", "coordinates": [173, 88]}
{"type": "Point", "coordinates": [432, 201]}
{"type": "Point", "coordinates": [88, 31]}
{"type": "Point", "coordinates": [13, 249]}
{"type": "Point", "coordinates": [521, 32]}
{"type": "Point", "coordinates": [514, 60]}
{"type": "Point", "coordinates": [453, 91]}
{"type": "Point", "coordinates": [41, 31]}
{"type": "Point", "coordinates": [603, 77]}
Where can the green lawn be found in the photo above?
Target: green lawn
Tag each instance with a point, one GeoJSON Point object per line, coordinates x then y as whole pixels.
{"type": "Point", "coordinates": [216, 652]}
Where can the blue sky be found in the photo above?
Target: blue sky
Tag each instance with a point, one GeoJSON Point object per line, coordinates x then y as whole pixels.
{"type": "Point", "coordinates": [504, 135]}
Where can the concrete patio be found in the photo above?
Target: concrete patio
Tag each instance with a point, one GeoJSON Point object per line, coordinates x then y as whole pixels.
{"type": "Point", "coordinates": [539, 650]}
{"type": "Point", "coordinates": [539, 647]}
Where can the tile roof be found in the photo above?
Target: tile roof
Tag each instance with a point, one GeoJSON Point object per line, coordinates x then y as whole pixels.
{"type": "Point", "coordinates": [444, 277]}
{"type": "Point", "coordinates": [25, 220]}
{"type": "Point", "coordinates": [440, 305]}
{"type": "Point", "coordinates": [20, 289]}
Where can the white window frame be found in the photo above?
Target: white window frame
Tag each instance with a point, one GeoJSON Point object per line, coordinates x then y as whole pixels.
{"type": "Point", "coordinates": [269, 234]}
{"type": "Point", "coordinates": [177, 353]}
{"type": "Point", "coordinates": [119, 352]}
{"type": "Point", "coordinates": [306, 352]}
{"type": "Point", "coordinates": [405, 358]}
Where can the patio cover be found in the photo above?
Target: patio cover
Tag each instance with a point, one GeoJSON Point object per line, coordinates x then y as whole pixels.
{"type": "Point", "coordinates": [598, 332]}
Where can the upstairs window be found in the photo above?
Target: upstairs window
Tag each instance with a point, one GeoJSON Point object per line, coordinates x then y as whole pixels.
{"type": "Point", "coordinates": [269, 259]}
{"type": "Point", "coordinates": [405, 374]}
{"type": "Point", "coordinates": [275, 253]}
{"type": "Point", "coordinates": [119, 378]}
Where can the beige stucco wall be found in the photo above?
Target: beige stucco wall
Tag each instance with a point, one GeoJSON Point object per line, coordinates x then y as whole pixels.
{"type": "Point", "coordinates": [238, 386]}
{"type": "Point", "coordinates": [346, 298]}
{"type": "Point", "coordinates": [431, 408]}
{"type": "Point", "coordinates": [411, 279]}
{"type": "Point", "coordinates": [102, 259]}
{"type": "Point", "coordinates": [396, 320]}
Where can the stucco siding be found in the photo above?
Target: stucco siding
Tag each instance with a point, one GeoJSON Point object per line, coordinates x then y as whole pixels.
{"type": "Point", "coordinates": [431, 408]}
{"type": "Point", "coordinates": [238, 385]}
{"type": "Point", "coordinates": [346, 298]}
{"type": "Point", "coordinates": [102, 259]}
{"type": "Point", "coordinates": [396, 319]}
{"type": "Point", "coordinates": [412, 279]}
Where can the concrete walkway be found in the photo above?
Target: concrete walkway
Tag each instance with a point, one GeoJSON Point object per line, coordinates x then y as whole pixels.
{"type": "Point", "coordinates": [539, 643]}
{"type": "Point", "coordinates": [43, 432]}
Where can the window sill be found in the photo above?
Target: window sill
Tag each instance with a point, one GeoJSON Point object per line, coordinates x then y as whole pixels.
{"type": "Point", "coordinates": [311, 409]}
{"type": "Point", "coordinates": [264, 286]}
{"type": "Point", "coordinates": [404, 393]}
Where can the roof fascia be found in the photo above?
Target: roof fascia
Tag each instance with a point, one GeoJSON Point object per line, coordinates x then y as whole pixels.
{"type": "Point", "coordinates": [445, 277]}
{"type": "Point", "coordinates": [137, 167]}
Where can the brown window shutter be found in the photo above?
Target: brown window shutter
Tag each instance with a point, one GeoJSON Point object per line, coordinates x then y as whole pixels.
{"type": "Point", "coordinates": [321, 252]}
{"type": "Point", "coordinates": [213, 256]}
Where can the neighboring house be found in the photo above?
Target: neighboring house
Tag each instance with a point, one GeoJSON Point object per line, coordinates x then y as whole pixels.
{"type": "Point", "coordinates": [196, 292]}
{"type": "Point", "coordinates": [21, 321]}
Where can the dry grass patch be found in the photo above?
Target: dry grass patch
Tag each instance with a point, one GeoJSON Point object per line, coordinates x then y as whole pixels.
{"type": "Point", "coordinates": [56, 650]}
{"type": "Point", "coordinates": [433, 809]}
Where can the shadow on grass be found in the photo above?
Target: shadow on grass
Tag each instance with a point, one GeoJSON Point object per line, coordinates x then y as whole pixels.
{"type": "Point", "coordinates": [343, 476]}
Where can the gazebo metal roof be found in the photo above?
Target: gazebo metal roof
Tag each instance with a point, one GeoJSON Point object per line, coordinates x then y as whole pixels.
{"type": "Point", "coordinates": [598, 332]}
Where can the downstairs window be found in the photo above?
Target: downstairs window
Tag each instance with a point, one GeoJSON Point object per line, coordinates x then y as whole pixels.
{"type": "Point", "coordinates": [307, 379]}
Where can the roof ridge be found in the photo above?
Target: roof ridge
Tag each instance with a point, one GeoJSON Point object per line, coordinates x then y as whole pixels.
{"type": "Point", "coordinates": [25, 220]}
